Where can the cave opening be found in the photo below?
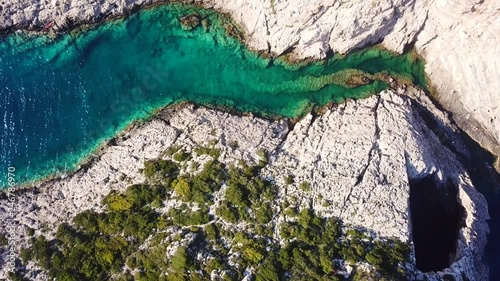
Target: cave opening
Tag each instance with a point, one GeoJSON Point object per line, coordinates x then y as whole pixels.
{"type": "Point", "coordinates": [436, 217]}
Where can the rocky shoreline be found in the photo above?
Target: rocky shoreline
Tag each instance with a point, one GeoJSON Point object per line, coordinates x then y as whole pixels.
{"type": "Point", "coordinates": [467, 30]}
{"type": "Point", "coordinates": [359, 158]}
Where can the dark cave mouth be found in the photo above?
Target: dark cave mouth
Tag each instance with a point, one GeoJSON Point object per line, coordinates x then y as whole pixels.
{"type": "Point", "coordinates": [436, 217]}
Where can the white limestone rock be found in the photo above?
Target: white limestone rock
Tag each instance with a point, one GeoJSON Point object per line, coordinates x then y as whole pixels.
{"type": "Point", "coordinates": [461, 45]}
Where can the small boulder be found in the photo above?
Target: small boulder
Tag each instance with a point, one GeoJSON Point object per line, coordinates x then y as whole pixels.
{"type": "Point", "coordinates": [358, 80]}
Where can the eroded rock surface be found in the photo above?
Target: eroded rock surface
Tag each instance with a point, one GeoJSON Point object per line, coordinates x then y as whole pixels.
{"type": "Point", "coordinates": [358, 158]}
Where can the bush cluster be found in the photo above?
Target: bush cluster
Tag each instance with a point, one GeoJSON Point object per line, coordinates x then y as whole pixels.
{"type": "Point", "coordinates": [99, 245]}
{"type": "Point", "coordinates": [160, 171]}
{"type": "Point", "coordinates": [315, 242]}
{"type": "Point", "coordinates": [200, 187]}
{"type": "Point", "coordinates": [248, 197]}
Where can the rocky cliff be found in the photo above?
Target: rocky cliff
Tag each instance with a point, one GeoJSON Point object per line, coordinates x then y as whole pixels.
{"type": "Point", "coordinates": [459, 39]}
{"type": "Point", "coordinates": [359, 159]}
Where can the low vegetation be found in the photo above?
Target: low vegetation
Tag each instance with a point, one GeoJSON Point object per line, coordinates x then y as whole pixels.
{"type": "Point", "coordinates": [175, 227]}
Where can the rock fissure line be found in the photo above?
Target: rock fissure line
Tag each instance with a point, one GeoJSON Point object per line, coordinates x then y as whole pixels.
{"type": "Point", "coordinates": [374, 145]}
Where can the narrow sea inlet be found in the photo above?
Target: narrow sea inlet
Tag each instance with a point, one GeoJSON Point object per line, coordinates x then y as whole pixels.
{"type": "Point", "coordinates": [60, 97]}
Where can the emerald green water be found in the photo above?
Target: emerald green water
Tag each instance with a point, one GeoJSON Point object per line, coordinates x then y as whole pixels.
{"type": "Point", "coordinates": [62, 97]}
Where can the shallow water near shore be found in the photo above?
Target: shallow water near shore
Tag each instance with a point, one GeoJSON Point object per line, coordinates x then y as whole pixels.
{"type": "Point", "coordinates": [61, 97]}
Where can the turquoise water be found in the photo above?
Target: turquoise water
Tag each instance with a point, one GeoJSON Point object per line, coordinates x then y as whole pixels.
{"type": "Point", "coordinates": [61, 97]}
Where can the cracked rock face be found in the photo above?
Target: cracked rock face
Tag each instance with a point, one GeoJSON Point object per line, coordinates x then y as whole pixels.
{"type": "Point", "coordinates": [458, 38]}
{"type": "Point", "coordinates": [460, 43]}
{"type": "Point", "coordinates": [358, 158]}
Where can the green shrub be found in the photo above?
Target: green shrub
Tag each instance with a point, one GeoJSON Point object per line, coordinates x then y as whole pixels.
{"type": "Point", "coordinates": [289, 180]}
{"type": "Point", "coordinates": [199, 188]}
{"type": "Point", "coordinates": [179, 261]}
{"type": "Point", "coordinates": [235, 194]}
{"type": "Point", "coordinates": [227, 212]}
{"type": "Point", "coordinates": [195, 166]}
{"type": "Point", "coordinates": [349, 254]}
{"type": "Point", "coordinates": [172, 150]}
{"type": "Point", "coordinates": [212, 232]}
{"type": "Point", "coordinates": [206, 150]}
{"type": "Point", "coordinates": [263, 155]}
{"type": "Point", "coordinates": [160, 171]}
{"type": "Point", "coordinates": [29, 231]}
{"type": "Point", "coordinates": [305, 186]}
{"type": "Point", "coordinates": [151, 262]}
{"type": "Point", "coordinates": [264, 213]}
{"type": "Point", "coordinates": [264, 158]}
{"type": "Point", "coordinates": [87, 221]}
{"type": "Point", "coordinates": [356, 234]}
{"type": "Point", "coordinates": [79, 255]}
{"type": "Point", "coordinates": [291, 212]}
{"type": "Point", "coordinates": [118, 202]}
{"type": "Point", "coordinates": [301, 261]}
{"type": "Point", "coordinates": [182, 186]}
{"type": "Point", "coordinates": [25, 255]}
{"type": "Point", "coordinates": [214, 173]}
{"type": "Point", "coordinates": [387, 256]}
{"type": "Point", "coordinates": [332, 230]}
{"type": "Point", "coordinates": [142, 195]}
{"type": "Point", "coordinates": [246, 190]}
{"type": "Point", "coordinates": [182, 156]}
{"type": "Point", "coordinates": [136, 196]}
{"type": "Point", "coordinates": [185, 217]}
{"type": "Point", "coordinates": [214, 264]}
{"type": "Point", "coordinates": [41, 251]}
{"type": "Point", "coordinates": [270, 270]}
{"type": "Point", "coordinates": [288, 230]}
{"type": "Point", "coordinates": [326, 256]}
{"type": "Point", "coordinates": [253, 254]}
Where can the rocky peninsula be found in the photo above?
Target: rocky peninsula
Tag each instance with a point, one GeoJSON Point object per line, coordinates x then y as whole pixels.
{"type": "Point", "coordinates": [359, 161]}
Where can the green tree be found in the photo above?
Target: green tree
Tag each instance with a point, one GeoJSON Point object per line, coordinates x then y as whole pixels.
{"type": "Point", "coordinates": [118, 202]}
{"type": "Point", "coordinates": [160, 171]}
{"type": "Point", "coordinates": [270, 270]}
{"type": "Point", "coordinates": [179, 261]}
{"type": "Point", "coordinates": [305, 186]}
{"type": "Point", "coordinates": [182, 187]}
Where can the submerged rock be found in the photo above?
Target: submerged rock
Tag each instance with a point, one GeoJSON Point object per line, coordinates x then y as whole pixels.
{"type": "Point", "coordinates": [206, 24]}
{"type": "Point", "coordinates": [358, 80]}
{"type": "Point", "coordinates": [190, 22]}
